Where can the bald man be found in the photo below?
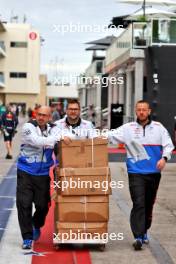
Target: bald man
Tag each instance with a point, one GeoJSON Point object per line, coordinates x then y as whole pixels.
{"type": "Point", "coordinates": [33, 181]}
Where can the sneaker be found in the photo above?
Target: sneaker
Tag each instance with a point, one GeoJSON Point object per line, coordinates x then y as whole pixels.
{"type": "Point", "coordinates": [145, 239]}
{"type": "Point", "coordinates": [137, 244]}
{"type": "Point", "coordinates": [27, 244]}
{"type": "Point", "coordinates": [36, 233]}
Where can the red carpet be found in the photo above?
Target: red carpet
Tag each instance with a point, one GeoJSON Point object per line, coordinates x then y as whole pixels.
{"type": "Point", "coordinates": [50, 255]}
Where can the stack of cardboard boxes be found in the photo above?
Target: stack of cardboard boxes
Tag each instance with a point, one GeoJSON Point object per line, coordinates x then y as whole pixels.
{"type": "Point", "coordinates": [82, 200]}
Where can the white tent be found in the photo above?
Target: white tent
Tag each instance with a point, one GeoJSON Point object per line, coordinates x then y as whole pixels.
{"type": "Point", "coordinates": [149, 2]}
{"type": "Point", "coordinates": [151, 12]}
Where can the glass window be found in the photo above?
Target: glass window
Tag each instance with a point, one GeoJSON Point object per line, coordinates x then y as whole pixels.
{"type": "Point", "coordinates": [18, 75]}
{"type": "Point", "coordinates": [141, 34]}
{"type": "Point", "coordinates": [164, 31]}
{"type": "Point", "coordinates": [2, 45]}
{"type": "Point", "coordinates": [99, 67]}
{"type": "Point", "coordinates": [18, 44]}
{"type": "Point", "coordinates": [2, 77]}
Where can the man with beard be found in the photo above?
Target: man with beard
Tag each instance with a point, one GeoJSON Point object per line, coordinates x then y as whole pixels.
{"type": "Point", "coordinates": [72, 125]}
{"type": "Point", "coordinates": [149, 146]}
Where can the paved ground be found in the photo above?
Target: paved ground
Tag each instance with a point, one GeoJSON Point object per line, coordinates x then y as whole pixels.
{"type": "Point", "coordinates": [163, 231]}
{"type": "Point", "coordinates": [162, 234]}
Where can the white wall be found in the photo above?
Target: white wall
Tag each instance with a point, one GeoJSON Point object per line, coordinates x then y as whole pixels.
{"type": "Point", "coordinates": [21, 59]}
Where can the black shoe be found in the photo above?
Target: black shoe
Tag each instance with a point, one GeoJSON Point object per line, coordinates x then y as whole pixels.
{"type": "Point", "coordinates": [8, 156]}
{"type": "Point", "coordinates": [137, 244]}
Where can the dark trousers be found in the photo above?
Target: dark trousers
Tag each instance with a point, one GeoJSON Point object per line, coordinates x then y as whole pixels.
{"type": "Point", "coordinates": [32, 189]}
{"type": "Point", "coordinates": [143, 190]}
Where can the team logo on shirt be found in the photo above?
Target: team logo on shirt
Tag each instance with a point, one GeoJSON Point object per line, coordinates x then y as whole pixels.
{"type": "Point", "coordinates": [27, 132]}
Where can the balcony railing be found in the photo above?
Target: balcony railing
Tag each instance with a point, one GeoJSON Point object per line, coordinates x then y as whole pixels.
{"type": "Point", "coordinates": [139, 35]}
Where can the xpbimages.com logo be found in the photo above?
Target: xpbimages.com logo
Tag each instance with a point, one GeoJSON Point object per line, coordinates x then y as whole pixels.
{"type": "Point", "coordinates": [83, 28]}
{"type": "Point", "coordinates": [87, 80]}
{"type": "Point", "coordinates": [85, 236]}
{"type": "Point", "coordinates": [87, 184]}
{"type": "Point", "coordinates": [87, 132]}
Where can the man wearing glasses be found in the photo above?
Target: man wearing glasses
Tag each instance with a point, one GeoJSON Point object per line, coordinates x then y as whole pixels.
{"type": "Point", "coordinates": [72, 125]}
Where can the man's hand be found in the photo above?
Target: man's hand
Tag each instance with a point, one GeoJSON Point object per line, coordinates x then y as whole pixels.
{"type": "Point", "coordinates": [67, 140]}
{"type": "Point", "coordinates": [161, 164]}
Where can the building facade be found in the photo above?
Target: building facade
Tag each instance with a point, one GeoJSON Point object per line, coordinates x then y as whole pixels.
{"type": "Point", "coordinates": [144, 56]}
{"type": "Point", "coordinates": [20, 65]}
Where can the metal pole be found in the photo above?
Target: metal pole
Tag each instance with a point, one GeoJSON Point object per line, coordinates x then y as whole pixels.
{"type": "Point", "coordinates": [144, 2]}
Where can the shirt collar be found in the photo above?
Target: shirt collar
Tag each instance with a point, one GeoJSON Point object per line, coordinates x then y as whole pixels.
{"type": "Point", "coordinates": [73, 125]}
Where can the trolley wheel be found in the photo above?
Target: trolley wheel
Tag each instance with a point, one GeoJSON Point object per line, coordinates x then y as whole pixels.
{"type": "Point", "coordinates": [102, 247]}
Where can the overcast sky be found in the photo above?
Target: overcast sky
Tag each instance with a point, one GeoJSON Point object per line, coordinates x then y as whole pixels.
{"type": "Point", "coordinates": [67, 50]}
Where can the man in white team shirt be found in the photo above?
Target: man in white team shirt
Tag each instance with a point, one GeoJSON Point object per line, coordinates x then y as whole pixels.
{"type": "Point", "coordinates": [149, 146]}
{"type": "Point", "coordinates": [72, 125]}
{"type": "Point", "coordinates": [33, 180]}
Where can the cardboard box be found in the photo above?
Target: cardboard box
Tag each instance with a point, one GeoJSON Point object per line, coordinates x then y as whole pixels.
{"type": "Point", "coordinates": [84, 181]}
{"type": "Point", "coordinates": [83, 153]}
{"type": "Point", "coordinates": [79, 231]}
{"type": "Point", "coordinates": [82, 208]}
